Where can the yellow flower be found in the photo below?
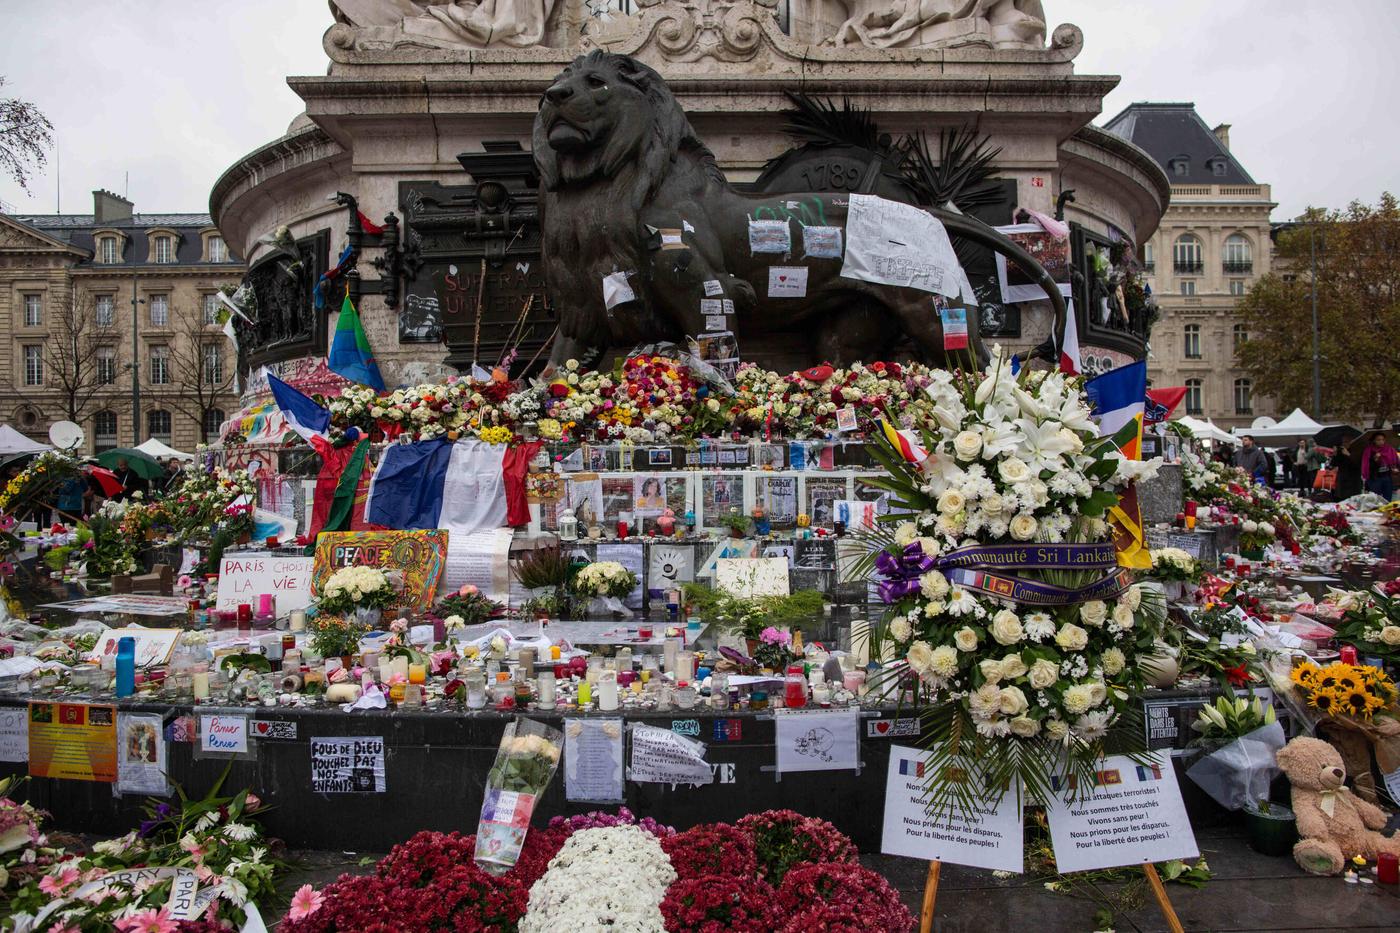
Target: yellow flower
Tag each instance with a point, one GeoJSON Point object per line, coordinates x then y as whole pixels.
{"type": "Point", "coordinates": [1324, 700]}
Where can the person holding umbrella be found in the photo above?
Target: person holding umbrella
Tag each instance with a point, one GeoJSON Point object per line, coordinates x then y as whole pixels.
{"type": "Point", "coordinates": [1379, 464]}
{"type": "Point", "coordinates": [132, 482]}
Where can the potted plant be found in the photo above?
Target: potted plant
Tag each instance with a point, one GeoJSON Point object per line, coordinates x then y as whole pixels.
{"type": "Point", "coordinates": [737, 524]}
{"type": "Point", "coordinates": [1270, 828]}
{"type": "Point", "coordinates": [336, 636]}
{"type": "Point", "coordinates": [546, 573]}
{"type": "Point", "coordinates": [1254, 537]}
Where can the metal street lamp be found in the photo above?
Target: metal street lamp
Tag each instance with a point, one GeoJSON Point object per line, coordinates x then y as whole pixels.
{"type": "Point", "coordinates": [136, 302]}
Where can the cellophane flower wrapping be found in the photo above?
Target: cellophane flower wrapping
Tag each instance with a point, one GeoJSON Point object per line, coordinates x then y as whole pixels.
{"type": "Point", "coordinates": [524, 766]}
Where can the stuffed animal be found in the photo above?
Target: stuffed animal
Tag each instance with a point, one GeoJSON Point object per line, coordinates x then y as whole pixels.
{"type": "Point", "coordinates": [1333, 823]}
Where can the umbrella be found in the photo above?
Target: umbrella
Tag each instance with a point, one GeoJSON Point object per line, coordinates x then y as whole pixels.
{"type": "Point", "coordinates": [107, 482]}
{"type": "Point", "coordinates": [1335, 434]}
{"type": "Point", "coordinates": [141, 463]}
{"type": "Point", "coordinates": [1361, 442]}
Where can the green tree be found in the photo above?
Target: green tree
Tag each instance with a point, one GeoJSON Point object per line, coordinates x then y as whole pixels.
{"type": "Point", "coordinates": [1358, 307]}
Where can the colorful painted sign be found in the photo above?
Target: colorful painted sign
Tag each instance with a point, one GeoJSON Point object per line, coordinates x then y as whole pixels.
{"type": "Point", "coordinates": [73, 740]}
{"type": "Point", "coordinates": [418, 555]}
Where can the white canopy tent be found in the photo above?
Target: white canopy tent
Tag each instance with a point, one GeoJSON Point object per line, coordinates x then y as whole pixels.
{"type": "Point", "coordinates": [12, 443]}
{"type": "Point", "coordinates": [162, 451]}
{"type": "Point", "coordinates": [1207, 430]}
{"type": "Point", "coordinates": [1290, 430]}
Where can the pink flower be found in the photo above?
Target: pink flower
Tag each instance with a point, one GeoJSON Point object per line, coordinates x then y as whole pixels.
{"type": "Point", "coordinates": [54, 885]}
{"type": "Point", "coordinates": [148, 921]}
{"type": "Point", "coordinates": [467, 589]}
{"type": "Point", "coordinates": [252, 802]}
{"type": "Point", "coordinates": [185, 582]}
{"type": "Point", "coordinates": [398, 625]}
{"type": "Point", "coordinates": [304, 903]}
{"type": "Point", "coordinates": [773, 636]}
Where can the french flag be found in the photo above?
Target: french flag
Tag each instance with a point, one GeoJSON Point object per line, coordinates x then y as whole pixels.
{"type": "Point", "coordinates": [439, 484]}
{"type": "Point", "coordinates": [1069, 347]}
{"type": "Point", "coordinates": [303, 415]}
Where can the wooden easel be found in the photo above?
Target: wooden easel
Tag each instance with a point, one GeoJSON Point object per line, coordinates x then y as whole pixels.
{"type": "Point", "coordinates": [1148, 869]}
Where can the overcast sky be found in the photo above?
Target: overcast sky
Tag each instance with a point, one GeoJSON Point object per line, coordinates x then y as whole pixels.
{"type": "Point", "coordinates": [173, 91]}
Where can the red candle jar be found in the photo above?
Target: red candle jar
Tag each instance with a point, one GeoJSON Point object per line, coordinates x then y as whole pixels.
{"type": "Point", "coordinates": [1387, 868]}
{"type": "Point", "coordinates": [245, 614]}
{"type": "Point", "coordinates": [622, 528]}
{"type": "Point", "coordinates": [1348, 653]}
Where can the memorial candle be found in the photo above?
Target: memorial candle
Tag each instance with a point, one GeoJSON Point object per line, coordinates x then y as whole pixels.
{"type": "Point", "coordinates": [298, 620]}
{"type": "Point", "coordinates": [417, 674]}
{"type": "Point", "coordinates": [200, 680]}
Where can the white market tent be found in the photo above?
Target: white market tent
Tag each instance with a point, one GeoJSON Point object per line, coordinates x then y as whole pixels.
{"type": "Point", "coordinates": [162, 451]}
{"type": "Point", "coordinates": [12, 442]}
{"type": "Point", "coordinates": [1290, 430]}
{"type": "Point", "coordinates": [1207, 430]}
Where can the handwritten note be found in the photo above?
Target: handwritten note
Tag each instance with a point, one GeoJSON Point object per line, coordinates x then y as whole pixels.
{"type": "Point", "coordinates": [899, 244]}
{"type": "Point", "coordinates": [659, 756]}
{"type": "Point", "coordinates": [353, 765]}
{"type": "Point", "coordinates": [14, 734]}
{"type": "Point", "coordinates": [223, 733]}
{"type": "Point", "coordinates": [243, 577]}
{"type": "Point", "coordinates": [481, 559]}
{"type": "Point", "coordinates": [825, 741]}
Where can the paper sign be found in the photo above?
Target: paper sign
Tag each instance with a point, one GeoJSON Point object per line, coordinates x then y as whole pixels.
{"type": "Point", "coordinates": [954, 328]}
{"type": "Point", "coordinates": [1134, 814]}
{"type": "Point", "coordinates": [633, 557]}
{"type": "Point", "coordinates": [659, 756]}
{"type": "Point", "coordinates": [986, 837]}
{"type": "Point", "coordinates": [899, 244]}
{"type": "Point", "coordinates": [73, 740]}
{"type": "Point", "coordinates": [787, 282]}
{"type": "Point", "coordinates": [189, 559]}
{"type": "Point", "coordinates": [891, 728]}
{"type": "Point", "coordinates": [353, 765]}
{"type": "Point", "coordinates": [593, 760]}
{"type": "Point", "coordinates": [668, 566]}
{"type": "Point", "coordinates": [748, 577]}
{"type": "Point", "coordinates": [713, 288]}
{"type": "Point", "coordinates": [616, 290]}
{"type": "Point", "coordinates": [711, 306]}
{"type": "Point", "coordinates": [153, 645]}
{"type": "Point", "coordinates": [141, 767]}
{"type": "Point", "coordinates": [770, 236]}
{"type": "Point", "coordinates": [222, 733]}
{"type": "Point", "coordinates": [821, 242]}
{"type": "Point", "coordinates": [826, 741]}
{"type": "Point", "coordinates": [274, 729]}
{"type": "Point", "coordinates": [1053, 254]}
{"type": "Point", "coordinates": [714, 322]}
{"type": "Point", "coordinates": [418, 555]}
{"type": "Point", "coordinates": [14, 733]}
{"type": "Point", "coordinates": [481, 559]}
{"type": "Point", "coordinates": [1392, 784]}
{"type": "Point", "coordinates": [671, 239]}
{"type": "Point", "coordinates": [244, 577]}
{"type": "Point", "coordinates": [727, 306]}
{"type": "Point", "coordinates": [856, 514]}
{"type": "Point", "coordinates": [846, 419]}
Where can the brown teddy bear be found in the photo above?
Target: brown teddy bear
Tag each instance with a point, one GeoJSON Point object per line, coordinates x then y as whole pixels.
{"type": "Point", "coordinates": [1333, 823]}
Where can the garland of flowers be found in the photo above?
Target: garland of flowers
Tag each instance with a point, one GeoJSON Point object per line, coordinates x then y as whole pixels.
{"type": "Point", "coordinates": [1008, 689]}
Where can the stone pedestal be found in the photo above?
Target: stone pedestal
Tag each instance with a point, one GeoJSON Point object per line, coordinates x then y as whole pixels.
{"type": "Point", "coordinates": [1160, 498]}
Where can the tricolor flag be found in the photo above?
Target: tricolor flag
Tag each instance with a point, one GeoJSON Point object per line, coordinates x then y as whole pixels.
{"type": "Point", "coordinates": [1162, 402]}
{"type": "Point", "coordinates": [351, 355]}
{"type": "Point", "coordinates": [910, 768]}
{"type": "Point", "coordinates": [1119, 400]}
{"type": "Point", "coordinates": [439, 484]}
{"type": "Point", "coordinates": [908, 443]}
{"type": "Point", "coordinates": [1149, 773]}
{"type": "Point", "coordinates": [303, 415]}
{"type": "Point", "coordinates": [1069, 346]}
{"type": "Point", "coordinates": [367, 225]}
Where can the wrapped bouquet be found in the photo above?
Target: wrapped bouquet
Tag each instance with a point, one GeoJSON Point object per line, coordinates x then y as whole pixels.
{"type": "Point", "coordinates": [525, 763]}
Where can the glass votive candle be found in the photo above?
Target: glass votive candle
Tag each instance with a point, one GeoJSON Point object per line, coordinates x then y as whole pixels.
{"type": "Point", "coordinates": [417, 673]}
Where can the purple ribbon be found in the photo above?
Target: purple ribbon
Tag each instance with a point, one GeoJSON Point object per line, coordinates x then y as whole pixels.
{"type": "Point", "coordinates": [902, 573]}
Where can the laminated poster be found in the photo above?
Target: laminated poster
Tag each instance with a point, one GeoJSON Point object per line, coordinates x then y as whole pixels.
{"type": "Point", "coordinates": [990, 837]}
{"type": "Point", "coordinates": [348, 765]}
{"type": "Point", "coordinates": [73, 740]}
{"type": "Point", "coordinates": [660, 756]}
{"type": "Point", "coordinates": [825, 741]}
{"type": "Point", "coordinates": [14, 733]}
{"type": "Point", "coordinates": [821, 242]}
{"type": "Point", "coordinates": [1052, 252]}
{"type": "Point", "coordinates": [141, 767]}
{"type": "Point", "coordinates": [770, 236]}
{"type": "Point", "coordinates": [593, 760]}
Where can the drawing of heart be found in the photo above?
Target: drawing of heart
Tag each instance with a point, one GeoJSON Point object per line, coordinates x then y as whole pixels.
{"type": "Point", "coordinates": [262, 727]}
{"type": "Point", "coordinates": [882, 726]}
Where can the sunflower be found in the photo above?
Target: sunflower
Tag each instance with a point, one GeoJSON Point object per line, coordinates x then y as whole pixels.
{"type": "Point", "coordinates": [1359, 702]}
{"type": "Point", "coordinates": [1324, 700]}
{"type": "Point", "coordinates": [1304, 675]}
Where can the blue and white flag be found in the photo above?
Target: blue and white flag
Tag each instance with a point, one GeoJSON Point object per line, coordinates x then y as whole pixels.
{"type": "Point", "coordinates": [439, 484]}
{"type": "Point", "coordinates": [303, 415]}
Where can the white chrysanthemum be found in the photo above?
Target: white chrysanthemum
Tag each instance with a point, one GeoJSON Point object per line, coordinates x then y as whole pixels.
{"type": "Point", "coordinates": [1113, 661]}
{"type": "Point", "coordinates": [1093, 726]}
{"type": "Point", "coordinates": [1038, 626]}
{"type": "Point", "coordinates": [944, 661]}
{"type": "Point", "coordinates": [985, 701]}
{"type": "Point", "coordinates": [933, 585]}
{"type": "Point", "coordinates": [900, 628]}
{"type": "Point", "coordinates": [1078, 699]}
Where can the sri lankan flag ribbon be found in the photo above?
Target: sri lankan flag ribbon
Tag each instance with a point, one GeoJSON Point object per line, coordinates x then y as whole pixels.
{"type": "Point", "coordinates": [908, 443]}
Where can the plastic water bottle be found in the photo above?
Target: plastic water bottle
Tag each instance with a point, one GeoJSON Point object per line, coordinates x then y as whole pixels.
{"type": "Point", "coordinates": [126, 666]}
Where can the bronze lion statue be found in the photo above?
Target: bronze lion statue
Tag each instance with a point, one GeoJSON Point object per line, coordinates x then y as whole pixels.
{"type": "Point", "coordinates": [644, 240]}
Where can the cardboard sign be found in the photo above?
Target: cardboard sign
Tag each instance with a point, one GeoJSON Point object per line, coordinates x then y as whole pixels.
{"type": "Point", "coordinates": [1133, 814]}
{"type": "Point", "coordinates": [14, 734]}
{"type": "Point", "coordinates": [153, 645]}
{"type": "Point", "coordinates": [222, 733]}
{"type": "Point", "coordinates": [353, 765]}
{"type": "Point", "coordinates": [988, 837]}
{"type": "Point", "coordinates": [244, 577]}
{"type": "Point", "coordinates": [418, 555]}
{"type": "Point", "coordinates": [73, 740]}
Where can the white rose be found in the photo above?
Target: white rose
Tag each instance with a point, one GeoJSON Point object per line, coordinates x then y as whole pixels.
{"type": "Point", "coordinates": [991, 669]}
{"type": "Point", "coordinates": [1132, 597]}
{"type": "Point", "coordinates": [1012, 667]}
{"type": "Point", "coordinates": [1043, 674]}
{"type": "Point", "coordinates": [1024, 726]}
{"type": "Point", "coordinates": [1113, 661]}
{"type": "Point", "coordinates": [1093, 613]}
{"type": "Point", "coordinates": [1023, 527]}
{"type": "Point", "coordinates": [967, 445]}
{"type": "Point", "coordinates": [933, 585]}
{"type": "Point", "coordinates": [1071, 637]}
{"type": "Point", "coordinates": [1098, 692]}
{"type": "Point", "coordinates": [1013, 470]}
{"type": "Point", "coordinates": [1123, 616]}
{"type": "Point", "coordinates": [920, 657]}
{"type": "Point", "coordinates": [966, 639]}
{"type": "Point", "coordinates": [992, 504]}
{"type": "Point", "coordinates": [1013, 701]}
{"type": "Point", "coordinates": [453, 622]}
{"type": "Point", "coordinates": [1006, 628]}
{"type": "Point", "coordinates": [1391, 634]}
{"type": "Point", "coordinates": [951, 501]}
{"type": "Point", "coordinates": [900, 628]}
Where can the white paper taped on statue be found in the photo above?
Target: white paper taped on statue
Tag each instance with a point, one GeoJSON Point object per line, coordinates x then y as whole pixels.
{"type": "Point", "coordinates": [487, 24]}
{"type": "Point", "coordinates": [887, 24]}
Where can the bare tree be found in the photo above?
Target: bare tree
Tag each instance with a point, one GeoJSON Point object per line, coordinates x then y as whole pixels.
{"type": "Point", "coordinates": [25, 137]}
{"type": "Point", "coordinates": [71, 354]}
{"type": "Point", "coordinates": [199, 368]}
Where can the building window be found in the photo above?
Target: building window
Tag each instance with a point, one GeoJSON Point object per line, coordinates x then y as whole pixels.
{"type": "Point", "coordinates": [1237, 287]}
{"type": "Point", "coordinates": [104, 430]}
{"type": "Point", "coordinates": [1194, 405]}
{"type": "Point", "coordinates": [158, 425]}
{"type": "Point", "coordinates": [1218, 167]}
{"type": "Point", "coordinates": [106, 365]}
{"type": "Point", "coordinates": [160, 310]}
{"type": "Point", "coordinates": [106, 310]}
{"type": "Point", "coordinates": [1188, 255]}
{"type": "Point", "coordinates": [1193, 341]}
{"type": "Point", "coordinates": [213, 420]}
{"type": "Point", "coordinates": [108, 252]}
{"type": "Point", "coordinates": [160, 366]}
{"type": "Point", "coordinates": [1244, 397]}
{"type": "Point", "coordinates": [218, 250]}
{"type": "Point", "coordinates": [211, 308]}
{"type": "Point", "coordinates": [1238, 257]}
{"type": "Point", "coordinates": [213, 364]}
{"type": "Point", "coordinates": [1181, 167]}
{"type": "Point", "coordinates": [1188, 286]}
{"type": "Point", "coordinates": [1149, 262]}
{"type": "Point", "coordinates": [33, 365]}
{"type": "Point", "coordinates": [163, 249]}
{"type": "Point", "coordinates": [33, 310]}
{"type": "Point", "coordinates": [1240, 336]}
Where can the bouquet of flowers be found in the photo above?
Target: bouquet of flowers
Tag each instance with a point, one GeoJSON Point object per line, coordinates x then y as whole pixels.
{"type": "Point", "coordinates": [524, 766]}
{"type": "Point", "coordinates": [1016, 669]}
{"type": "Point", "coordinates": [604, 578]}
{"type": "Point", "coordinates": [205, 499]}
{"type": "Point", "coordinates": [352, 588]}
{"type": "Point", "coordinates": [336, 636]}
{"type": "Point", "coordinates": [1371, 622]}
{"type": "Point", "coordinates": [468, 606]}
{"type": "Point", "coordinates": [1355, 691]}
{"type": "Point", "coordinates": [1255, 535]}
{"type": "Point", "coordinates": [1173, 565]}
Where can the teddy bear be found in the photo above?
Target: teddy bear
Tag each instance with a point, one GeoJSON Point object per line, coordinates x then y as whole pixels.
{"type": "Point", "coordinates": [1333, 823]}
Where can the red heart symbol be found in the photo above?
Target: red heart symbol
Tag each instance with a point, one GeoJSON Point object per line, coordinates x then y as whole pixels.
{"type": "Point", "coordinates": [882, 727]}
{"type": "Point", "coordinates": [782, 278]}
{"type": "Point", "coordinates": [262, 727]}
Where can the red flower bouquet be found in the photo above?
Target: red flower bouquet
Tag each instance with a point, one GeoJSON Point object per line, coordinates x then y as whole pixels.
{"type": "Point", "coordinates": [718, 904]}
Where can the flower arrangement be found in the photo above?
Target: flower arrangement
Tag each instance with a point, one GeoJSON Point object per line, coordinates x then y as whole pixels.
{"type": "Point", "coordinates": [1355, 691]}
{"type": "Point", "coordinates": [773, 649]}
{"type": "Point", "coordinates": [336, 636]}
{"type": "Point", "coordinates": [469, 606]}
{"type": "Point", "coordinates": [351, 588]}
{"type": "Point", "coordinates": [814, 896]}
{"type": "Point", "coordinates": [1255, 535]}
{"type": "Point", "coordinates": [1014, 462]}
{"type": "Point", "coordinates": [37, 482]}
{"type": "Point", "coordinates": [785, 839]}
{"type": "Point", "coordinates": [581, 889]}
{"type": "Point", "coordinates": [1230, 717]}
{"type": "Point", "coordinates": [1173, 565]}
{"type": "Point", "coordinates": [604, 578]}
{"type": "Point", "coordinates": [1371, 622]}
{"type": "Point", "coordinates": [205, 499]}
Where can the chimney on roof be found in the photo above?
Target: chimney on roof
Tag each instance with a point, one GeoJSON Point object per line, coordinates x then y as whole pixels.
{"type": "Point", "coordinates": [1222, 133]}
{"type": "Point", "coordinates": [108, 207]}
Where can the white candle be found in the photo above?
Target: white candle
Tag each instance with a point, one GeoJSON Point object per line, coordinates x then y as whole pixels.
{"type": "Point", "coordinates": [201, 685]}
{"type": "Point", "coordinates": [607, 691]}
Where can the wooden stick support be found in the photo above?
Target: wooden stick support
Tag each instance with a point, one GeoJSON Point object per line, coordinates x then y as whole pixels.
{"type": "Point", "coordinates": [931, 897]}
{"type": "Point", "coordinates": [1159, 892]}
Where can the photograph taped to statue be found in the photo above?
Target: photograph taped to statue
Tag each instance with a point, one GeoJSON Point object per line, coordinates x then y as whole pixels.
{"type": "Point", "coordinates": [619, 163]}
